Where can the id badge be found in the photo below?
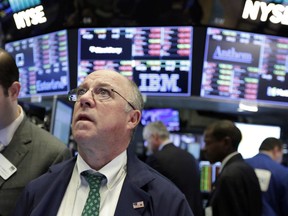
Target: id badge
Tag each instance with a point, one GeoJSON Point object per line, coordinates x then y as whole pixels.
{"type": "Point", "coordinates": [7, 169]}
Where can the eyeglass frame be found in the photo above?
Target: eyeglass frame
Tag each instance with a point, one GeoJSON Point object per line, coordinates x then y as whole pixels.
{"type": "Point", "coordinates": [73, 92]}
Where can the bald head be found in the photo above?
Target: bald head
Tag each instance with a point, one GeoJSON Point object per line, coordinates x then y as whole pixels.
{"type": "Point", "coordinates": [132, 93]}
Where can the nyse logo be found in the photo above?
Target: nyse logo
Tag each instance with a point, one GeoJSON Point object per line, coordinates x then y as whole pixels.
{"type": "Point", "coordinates": [159, 82]}
{"type": "Point", "coordinates": [275, 13]}
{"type": "Point", "coordinates": [32, 16]}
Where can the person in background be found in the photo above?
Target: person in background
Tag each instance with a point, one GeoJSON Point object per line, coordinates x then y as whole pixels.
{"type": "Point", "coordinates": [236, 190]}
{"type": "Point", "coordinates": [176, 164]}
{"type": "Point", "coordinates": [107, 111]}
{"type": "Point", "coordinates": [273, 177]}
{"type": "Point", "coordinates": [26, 150]}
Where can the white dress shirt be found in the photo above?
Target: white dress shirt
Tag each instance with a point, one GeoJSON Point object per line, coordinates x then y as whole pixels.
{"type": "Point", "coordinates": [6, 134]}
{"type": "Point", "coordinates": [77, 191]}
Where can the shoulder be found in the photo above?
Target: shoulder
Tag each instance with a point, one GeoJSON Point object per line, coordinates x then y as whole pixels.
{"type": "Point", "coordinates": [41, 136]}
{"type": "Point", "coordinates": [173, 151]}
{"type": "Point", "coordinates": [57, 172]}
{"type": "Point", "coordinates": [238, 169]}
{"type": "Point", "coordinates": [41, 141]}
{"type": "Point", "coordinates": [160, 189]}
{"type": "Point", "coordinates": [144, 175]}
{"type": "Point", "coordinates": [181, 157]}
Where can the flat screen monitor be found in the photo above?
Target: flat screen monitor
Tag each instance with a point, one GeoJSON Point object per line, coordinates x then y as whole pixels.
{"type": "Point", "coordinates": [189, 142]}
{"type": "Point", "coordinates": [61, 120]}
{"type": "Point", "coordinates": [208, 175]}
{"type": "Point", "coordinates": [169, 116]}
{"type": "Point", "coordinates": [43, 63]}
{"type": "Point", "coordinates": [244, 65]}
{"type": "Point", "coordinates": [253, 135]}
{"type": "Point", "coordinates": [158, 59]}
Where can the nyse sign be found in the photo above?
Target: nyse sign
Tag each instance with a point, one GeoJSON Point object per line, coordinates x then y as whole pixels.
{"type": "Point", "coordinates": [32, 16]}
{"type": "Point", "coordinates": [275, 13]}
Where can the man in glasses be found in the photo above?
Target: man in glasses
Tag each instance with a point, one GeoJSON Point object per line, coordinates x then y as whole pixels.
{"type": "Point", "coordinates": [107, 110]}
{"type": "Point", "coordinates": [26, 150]}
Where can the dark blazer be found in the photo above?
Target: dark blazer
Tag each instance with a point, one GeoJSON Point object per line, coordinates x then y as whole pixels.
{"type": "Point", "coordinates": [237, 190]}
{"type": "Point", "coordinates": [275, 199]}
{"type": "Point", "coordinates": [32, 150]}
{"type": "Point", "coordinates": [43, 196]}
{"type": "Point", "coordinates": [181, 168]}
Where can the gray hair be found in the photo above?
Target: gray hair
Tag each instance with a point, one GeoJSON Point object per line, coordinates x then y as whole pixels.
{"type": "Point", "coordinates": [156, 127]}
{"type": "Point", "coordinates": [135, 96]}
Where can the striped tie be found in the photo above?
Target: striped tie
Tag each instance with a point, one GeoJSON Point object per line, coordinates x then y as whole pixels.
{"type": "Point", "coordinates": [93, 200]}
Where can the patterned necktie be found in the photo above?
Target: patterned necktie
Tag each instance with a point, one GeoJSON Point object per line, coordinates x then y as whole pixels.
{"type": "Point", "coordinates": [93, 200]}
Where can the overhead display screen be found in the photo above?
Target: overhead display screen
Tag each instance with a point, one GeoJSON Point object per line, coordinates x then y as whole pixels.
{"type": "Point", "coordinates": [158, 59]}
{"type": "Point", "coordinates": [169, 116]}
{"type": "Point", "coordinates": [242, 65]}
{"type": "Point", "coordinates": [43, 63]}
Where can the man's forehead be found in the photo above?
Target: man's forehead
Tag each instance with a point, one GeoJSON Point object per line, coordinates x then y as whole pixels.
{"type": "Point", "coordinates": [96, 77]}
{"type": "Point", "coordinates": [105, 75]}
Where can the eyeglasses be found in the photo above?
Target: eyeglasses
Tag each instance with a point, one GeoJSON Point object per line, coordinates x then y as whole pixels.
{"type": "Point", "coordinates": [101, 94]}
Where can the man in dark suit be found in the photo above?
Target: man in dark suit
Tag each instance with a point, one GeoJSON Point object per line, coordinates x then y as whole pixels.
{"type": "Point", "coordinates": [236, 191]}
{"type": "Point", "coordinates": [273, 177]}
{"type": "Point", "coordinates": [106, 112]}
{"type": "Point", "coordinates": [26, 150]}
{"type": "Point", "coordinates": [176, 164]}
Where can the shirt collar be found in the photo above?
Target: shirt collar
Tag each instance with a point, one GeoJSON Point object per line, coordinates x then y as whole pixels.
{"type": "Point", "coordinates": [164, 144]}
{"type": "Point", "coordinates": [226, 159]}
{"type": "Point", "coordinates": [113, 171]}
{"type": "Point", "coordinates": [6, 134]}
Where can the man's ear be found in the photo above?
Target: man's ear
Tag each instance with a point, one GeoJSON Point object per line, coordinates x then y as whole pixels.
{"type": "Point", "coordinates": [14, 90]}
{"type": "Point", "coordinates": [134, 118]}
{"type": "Point", "coordinates": [228, 142]}
{"type": "Point", "coordinates": [275, 151]}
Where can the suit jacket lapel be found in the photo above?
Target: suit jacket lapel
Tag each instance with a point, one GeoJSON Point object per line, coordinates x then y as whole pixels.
{"type": "Point", "coordinates": [233, 159]}
{"type": "Point", "coordinates": [51, 202]}
{"type": "Point", "coordinates": [18, 147]}
{"type": "Point", "coordinates": [134, 200]}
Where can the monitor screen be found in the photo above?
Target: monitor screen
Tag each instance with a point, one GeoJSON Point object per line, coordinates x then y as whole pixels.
{"type": "Point", "coordinates": [242, 65]}
{"type": "Point", "coordinates": [189, 142]}
{"type": "Point", "coordinates": [208, 175]}
{"type": "Point", "coordinates": [43, 64]}
{"type": "Point", "coordinates": [253, 135]}
{"type": "Point", "coordinates": [61, 120]}
{"type": "Point", "coordinates": [158, 59]}
{"type": "Point", "coordinates": [170, 117]}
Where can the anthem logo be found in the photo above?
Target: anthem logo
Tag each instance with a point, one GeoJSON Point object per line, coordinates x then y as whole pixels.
{"type": "Point", "coordinates": [232, 55]}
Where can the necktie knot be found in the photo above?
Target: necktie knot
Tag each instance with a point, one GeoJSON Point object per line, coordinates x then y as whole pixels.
{"type": "Point", "coordinates": [93, 180]}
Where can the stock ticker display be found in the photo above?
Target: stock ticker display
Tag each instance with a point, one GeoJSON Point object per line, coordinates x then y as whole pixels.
{"type": "Point", "coordinates": [43, 64]}
{"type": "Point", "coordinates": [242, 65]}
{"type": "Point", "coordinates": [158, 59]}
